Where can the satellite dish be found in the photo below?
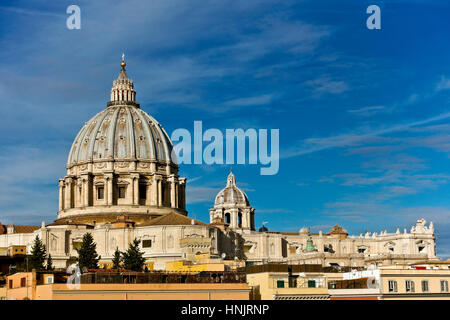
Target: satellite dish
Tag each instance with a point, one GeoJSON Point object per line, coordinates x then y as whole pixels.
{"type": "Point", "coordinates": [224, 255]}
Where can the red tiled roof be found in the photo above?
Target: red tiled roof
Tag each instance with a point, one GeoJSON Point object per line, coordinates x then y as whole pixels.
{"type": "Point", "coordinates": [19, 229]}
{"type": "Point", "coordinates": [172, 219]}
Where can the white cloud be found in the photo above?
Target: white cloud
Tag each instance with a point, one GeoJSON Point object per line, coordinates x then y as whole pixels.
{"type": "Point", "coordinates": [250, 101]}
{"type": "Point", "coordinates": [444, 84]}
{"type": "Point", "coordinates": [327, 85]}
{"type": "Point", "coordinates": [369, 111]}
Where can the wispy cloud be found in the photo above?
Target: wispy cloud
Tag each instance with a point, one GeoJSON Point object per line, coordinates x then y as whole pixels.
{"type": "Point", "coordinates": [357, 137]}
{"type": "Point", "coordinates": [325, 84]}
{"type": "Point", "coordinates": [369, 111]}
{"type": "Point", "coordinates": [250, 101]}
{"type": "Point", "coordinates": [444, 84]}
{"type": "Point", "coordinates": [32, 12]}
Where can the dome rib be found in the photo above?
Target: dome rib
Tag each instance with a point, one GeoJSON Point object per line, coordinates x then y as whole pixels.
{"type": "Point", "coordinates": [93, 135]}
{"type": "Point", "coordinates": [163, 137]}
{"type": "Point", "coordinates": [109, 141]}
{"type": "Point", "coordinates": [111, 133]}
{"type": "Point", "coordinates": [150, 150]}
{"type": "Point", "coordinates": [131, 138]}
{"type": "Point", "coordinates": [80, 140]}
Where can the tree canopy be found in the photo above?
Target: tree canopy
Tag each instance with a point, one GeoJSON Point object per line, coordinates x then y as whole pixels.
{"type": "Point", "coordinates": [133, 258]}
{"type": "Point", "coordinates": [87, 253]}
{"type": "Point", "coordinates": [38, 253]}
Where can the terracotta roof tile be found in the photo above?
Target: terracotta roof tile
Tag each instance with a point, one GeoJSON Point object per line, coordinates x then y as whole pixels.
{"type": "Point", "coordinates": [18, 229]}
{"type": "Point", "coordinates": [172, 219]}
{"type": "Point", "coordinates": [25, 229]}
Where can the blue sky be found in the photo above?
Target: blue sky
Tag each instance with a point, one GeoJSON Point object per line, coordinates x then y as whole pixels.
{"type": "Point", "coordinates": [364, 115]}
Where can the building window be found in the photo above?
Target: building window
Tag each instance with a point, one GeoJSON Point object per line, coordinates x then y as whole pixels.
{"type": "Point", "coordinates": [361, 250]}
{"type": "Point", "coordinates": [280, 283]}
{"type": "Point", "coordinates": [328, 248]}
{"type": "Point", "coordinates": [240, 220]}
{"type": "Point", "coordinates": [392, 286]}
{"type": "Point", "coordinates": [444, 286]}
{"type": "Point", "coordinates": [227, 218]}
{"type": "Point", "coordinates": [100, 193]}
{"type": "Point", "coordinates": [121, 192]}
{"type": "Point", "coordinates": [146, 243]}
{"type": "Point", "coordinates": [10, 284]}
{"type": "Point", "coordinates": [142, 191]}
{"type": "Point", "coordinates": [311, 283]}
{"type": "Point", "coordinates": [409, 286]}
{"type": "Point", "coordinates": [425, 286]}
{"type": "Point", "coordinates": [23, 282]}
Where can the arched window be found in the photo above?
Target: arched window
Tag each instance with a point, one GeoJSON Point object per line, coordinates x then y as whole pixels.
{"type": "Point", "coordinates": [227, 218]}
{"type": "Point", "coordinates": [240, 220]}
{"type": "Point", "coordinates": [100, 192]}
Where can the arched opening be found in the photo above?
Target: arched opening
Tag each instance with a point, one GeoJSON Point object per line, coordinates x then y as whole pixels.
{"type": "Point", "coordinates": [227, 218]}
{"type": "Point", "coordinates": [421, 246]}
{"type": "Point", "coordinates": [240, 220]}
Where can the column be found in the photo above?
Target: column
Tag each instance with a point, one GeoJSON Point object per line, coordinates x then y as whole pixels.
{"type": "Point", "coordinates": [109, 188]}
{"type": "Point", "coordinates": [160, 200]}
{"type": "Point", "coordinates": [177, 203]}
{"type": "Point", "coordinates": [76, 195]}
{"type": "Point", "coordinates": [233, 217]}
{"type": "Point", "coordinates": [154, 192]}
{"type": "Point", "coordinates": [148, 189]}
{"type": "Point", "coordinates": [68, 194]}
{"type": "Point", "coordinates": [61, 194]}
{"type": "Point", "coordinates": [84, 190]}
{"type": "Point", "coordinates": [135, 187]}
{"type": "Point", "coordinates": [172, 192]}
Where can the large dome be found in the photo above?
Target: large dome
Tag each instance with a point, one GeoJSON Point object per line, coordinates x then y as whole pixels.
{"type": "Point", "coordinates": [120, 165]}
{"type": "Point", "coordinates": [231, 194]}
{"type": "Point", "coordinates": [120, 132]}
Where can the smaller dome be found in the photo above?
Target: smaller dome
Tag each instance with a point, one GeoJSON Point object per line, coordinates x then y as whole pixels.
{"type": "Point", "coordinates": [263, 227]}
{"type": "Point", "coordinates": [231, 194]}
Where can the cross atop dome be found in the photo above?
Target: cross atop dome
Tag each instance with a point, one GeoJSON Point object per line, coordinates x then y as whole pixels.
{"type": "Point", "coordinates": [123, 63]}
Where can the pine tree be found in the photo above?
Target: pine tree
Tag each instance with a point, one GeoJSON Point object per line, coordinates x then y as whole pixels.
{"type": "Point", "coordinates": [117, 258]}
{"type": "Point", "coordinates": [133, 258]}
{"type": "Point", "coordinates": [38, 254]}
{"type": "Point", "coordinates": [49, 262]}
{"type": "Point", "coordinates": [87, 254]}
